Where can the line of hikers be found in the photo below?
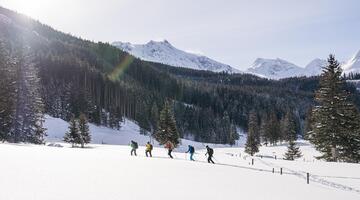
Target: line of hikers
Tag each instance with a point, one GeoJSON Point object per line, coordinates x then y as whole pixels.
{"type": "Point", "coordinates": [170, 147]}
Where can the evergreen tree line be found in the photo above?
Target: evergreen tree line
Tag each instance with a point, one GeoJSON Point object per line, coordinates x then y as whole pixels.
{"type": "Point", "coordinates": [21, 104]}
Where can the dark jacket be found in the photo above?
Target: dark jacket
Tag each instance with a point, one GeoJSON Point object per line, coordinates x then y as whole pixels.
{"type": "Point", "coordinates": [210, 151]}
{"type": "Point", "coordinates": [191, 149]}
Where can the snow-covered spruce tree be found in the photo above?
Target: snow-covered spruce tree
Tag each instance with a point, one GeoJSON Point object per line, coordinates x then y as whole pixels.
{"type": "Point", "coordinates": [73, 134]}
{"type": "Point", "coordinates": [288, 127]}
{"type": "Point", "coordinates": [252, 141]}
{"type": "Point", "coordinates": [293, 151]}
{"type": "Point", "coordinates": [85, 136]}
{"type": "Point", "coordinates": [264, 137]}
{"type": "Point", "coordinates": [167, 130]}
{"type": "Point", "coordinates": [29, 106]}
{"type": "Point", "coordinates": [154, 118]}
{"type": "Point", "coordinates": [289, 132]}
{"type": "Point", "coordinates": [273, 128]}
{"type": "Point", "coordinates": [335, 130]}
{"type": "Point", "coordinates": [233, 135]}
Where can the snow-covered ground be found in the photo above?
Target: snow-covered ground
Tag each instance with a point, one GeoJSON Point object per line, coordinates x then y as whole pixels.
{"type": "Point", "coordinates": [108, 172]}
{"type": "Point", "coordinates": [35, 172]}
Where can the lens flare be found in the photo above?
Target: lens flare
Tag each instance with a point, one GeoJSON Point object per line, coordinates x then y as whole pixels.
{"type": "Point", "coordinates": [119, 70]}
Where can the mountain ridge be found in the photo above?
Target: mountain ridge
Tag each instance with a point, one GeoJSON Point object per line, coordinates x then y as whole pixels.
{"type": "Point", "coordinates": [165, 53]}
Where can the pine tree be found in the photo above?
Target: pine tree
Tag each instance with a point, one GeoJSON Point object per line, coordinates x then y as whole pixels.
{"type": "Point", "coordinates": [335, 130]}
{"type": "Point", "coordinates": [85, 136]}
{"type": "Point", "coordinates": [273, 129]}
{"type": "Point", "coordinates": [40, 132]}
{"type": "Point", "coordinates": [288, 127]}
{"type": "Point", "coordinates": [252, 141]}
{"type": "Point", "coordinates": [154, 118]}
{"type": "Point", "coordinates": [308, 125]}
{"type": "Point", "coordinates": [167, 130]}
{"type": "Point", "coordinates": [28, 105]}
{"type": "Point", "coordinates": [233, 135]}
{"type": "Point", "coordinates": [73, 135]}
{"type": "Point", "coordinates": [263, 130]}
{"type": "Point", "coordinates": [293, 151]}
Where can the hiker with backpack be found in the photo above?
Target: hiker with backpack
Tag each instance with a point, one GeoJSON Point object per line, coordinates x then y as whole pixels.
{"type": "Point", "coordinates": [170, 146]}
{"type": "Point", "coordinates": [134, 145]}
{"type": "Point", "coordinates": [191, 150]}
{"type": "Point", "coordinates": [149, 148]}
{"type": "Point", "coordinates": [210, 153]}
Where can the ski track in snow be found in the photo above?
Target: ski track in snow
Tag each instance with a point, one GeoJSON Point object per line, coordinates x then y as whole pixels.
{"type": "Point", "coordinates": [314, 178]}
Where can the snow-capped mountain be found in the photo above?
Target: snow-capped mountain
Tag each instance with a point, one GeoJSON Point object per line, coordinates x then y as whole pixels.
{"type": "Point", "coordinates": [164, 52]}
{"type": "Point", "coordinates": [275, 68]}
{"type": "Point", "coordinates": [315, 67]}
{"type": "Point", "coordinates": [353, 65]}
{"type": "Point", "coordinates": [278, 68]}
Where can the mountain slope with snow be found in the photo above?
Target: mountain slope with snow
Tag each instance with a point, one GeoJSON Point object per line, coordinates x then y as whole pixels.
{"type": "Point", "coordinates": [279, 68]}
{"type": "Point", "coordinates": [314, 68]}
{"type": "Point", "coordinates": [353, 65]}
{"type": "Point", "coordinates": [163, 52]}
{"type": "Point", "coordinates": [275, 68]}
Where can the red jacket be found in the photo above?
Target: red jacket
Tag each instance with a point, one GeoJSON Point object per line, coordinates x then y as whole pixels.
{"type": "Point", "coordinates": [169, 145]}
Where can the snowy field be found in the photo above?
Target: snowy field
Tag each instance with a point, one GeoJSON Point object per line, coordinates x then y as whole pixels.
{"type": "Point", "coordinates": [108, 172]}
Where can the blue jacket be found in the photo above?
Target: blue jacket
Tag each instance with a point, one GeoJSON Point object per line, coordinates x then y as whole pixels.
{"type": "Point", "coordinates": [191, 149]}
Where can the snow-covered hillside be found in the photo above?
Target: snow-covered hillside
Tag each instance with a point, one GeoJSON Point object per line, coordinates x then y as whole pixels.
{"type": "Point", "coordinates": [164, 52]}
{"type": "Point", "coordinates": [56, 129]}
{"type": "Point", "coordinates": [315, 67]}
{"type": "Point", "coordinates": [108, 172]}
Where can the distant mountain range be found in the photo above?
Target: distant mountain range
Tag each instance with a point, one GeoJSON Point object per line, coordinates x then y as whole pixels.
{"type": "Point", "coordinates": [164, 52]}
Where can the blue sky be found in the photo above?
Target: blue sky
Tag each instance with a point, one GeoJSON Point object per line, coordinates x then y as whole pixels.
{"type": "Point", "coordinates": [235, 32]}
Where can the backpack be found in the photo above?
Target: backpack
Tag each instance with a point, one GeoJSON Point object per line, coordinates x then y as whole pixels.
{"type": "Point", "coordinates": [135, 145]}
{"type": "Point", "coordinates": [191, 149]}
{"type": "Point", "coordinates": [151, 147]}
{"type": "Point", "coordinates": [210, 151]}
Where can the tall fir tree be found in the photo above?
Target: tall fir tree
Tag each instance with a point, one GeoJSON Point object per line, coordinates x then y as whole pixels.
{"type": "Point", "coordinates": [273, 128]}
{"type": "Point", "coordinates": [167, 130]}
{"type": "Point", "coordinates": [85, 136]}
{"type": "Point", "coordinates": [252, 141]}
{"type": "Point", "coordinates": [154, 118]}
{"type": "Point", "coordinates": [335, 130]}
{"type": "Point", "coordinates": [293, 152]}
{"type": "Point", "coordinates": [28, 106]}
{"type": "Point", "coordinates": [233, 135]}
{"type": "Point", "coordinates": [288, 127]}
{"type": "Point", "coordinates": [263, 130]}
{"type": "Point", "coordinates": [72, 136]}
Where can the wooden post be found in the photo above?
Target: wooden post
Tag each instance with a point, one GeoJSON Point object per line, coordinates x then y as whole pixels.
{"type": "Point", "coordinates": [280, 171]}
{"type": "Point", "coordinates": [307, 178]}
{"type": "Point", "coordinates": [252, 161]}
